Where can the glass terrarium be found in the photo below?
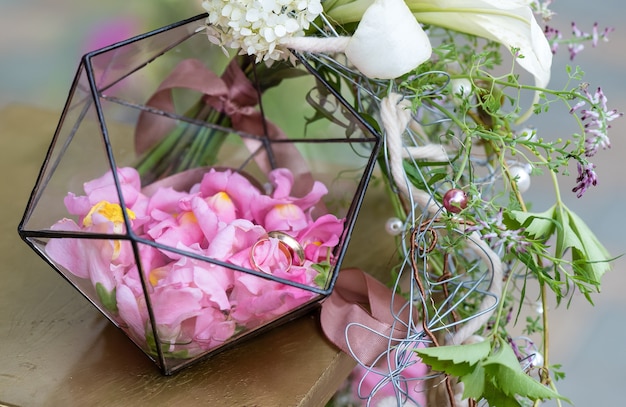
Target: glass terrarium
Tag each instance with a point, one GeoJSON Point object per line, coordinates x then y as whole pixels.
{"type": "Point", "coordinates": [196, 198]}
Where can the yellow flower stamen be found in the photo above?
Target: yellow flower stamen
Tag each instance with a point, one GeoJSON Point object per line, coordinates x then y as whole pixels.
{"type": "Point", "coordinates": [156, 275]}
{"type": "Point", "coordinates": [108, 210]}
{"type": "Point", "coordinates": [287, 211]}
{"type": "Point", "coordinates": [187, 217]}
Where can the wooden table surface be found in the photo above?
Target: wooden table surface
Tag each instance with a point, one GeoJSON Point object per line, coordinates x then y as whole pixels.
{"type": "Point", "coordinates": [57, 350]}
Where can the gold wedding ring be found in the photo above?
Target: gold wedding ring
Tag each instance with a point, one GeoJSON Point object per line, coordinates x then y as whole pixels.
{"type": "Point", "coordinates": [297, 252]}
{"type": "Point", "coordinates": [284, 250]}
{"type": "Point", "coordinates": [288, 246]}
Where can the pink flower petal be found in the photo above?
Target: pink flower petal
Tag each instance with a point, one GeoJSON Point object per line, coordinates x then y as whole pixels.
{"type": "Point", "coordinates": [286, 217]}
{"type": "Point", "coordinates": [212, 329]}
{"type": "Point", "coordinates": [214, 281]}
{"type": "Point", "coordinates": [130, 311]}
{"type": "Point", "coordinates": [172, 305]}
{"type": "Point", "coordinates": [103, 188]}
{"type": "Point", "coordinates": [238, 188]}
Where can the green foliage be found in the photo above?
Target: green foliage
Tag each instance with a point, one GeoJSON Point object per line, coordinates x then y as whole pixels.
{"type": "Point", "coordinates": [466, 100]}
{"type": "Point", "coordinates": [323, 272]}
{"type": "Point", "coordinates": [107, 298]}
{"type": "Point", "coordinates": [589, 259]}
{"type": "Point", "coordinates": [557, 372]}
{"type": "Point", "coordinates": [493, 374]}
{"type": "Point", "coordinates": [533, 325]}
{"type": "Point", "coordinates": [152, 348]}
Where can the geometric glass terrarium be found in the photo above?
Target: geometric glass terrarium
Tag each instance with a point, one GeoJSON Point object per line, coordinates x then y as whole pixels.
{"type": "Point", "coordinates": [194, 198]}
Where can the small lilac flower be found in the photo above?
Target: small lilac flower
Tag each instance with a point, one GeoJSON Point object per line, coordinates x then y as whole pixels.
{"type": "Point", "coordinates": [597, 138]}
{"type": "Point", "coordinates": [595, 35]}
{"type": "Point", "coordinates": [498, 235]}
{"type": "Point", "coordinates": [596, 119]}
{"type": "Point", "coordinates": [577, 106]}
{"type": "Point", "coordinates": [577, 32]}
{"type": "Point", "coordinates": [574, 49]}
{"type": "Point", "coordinates": [576, 45]}
{"type": "Point", "coordinates": [554, 36]}
{"type": "Point", "coordinates": [586, 178]}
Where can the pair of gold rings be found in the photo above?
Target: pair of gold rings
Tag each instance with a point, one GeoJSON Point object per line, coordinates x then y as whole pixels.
{"type": "Point", "coordinates": [288, 246]}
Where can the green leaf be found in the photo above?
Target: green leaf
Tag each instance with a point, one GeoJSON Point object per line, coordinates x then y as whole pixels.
{"type": "Point", "coordinates": [152, 348]}
{"type": "Point", "coordinates": [474, 383]}
{"type": "Point", "coordinates": [323, 270]}
{"type": "Point", "coordinates": [106, 298]}
{"type": "Point", "coordinates": [530, 261]}
{"type": "Point", "coordinates": [417, 178]}
{"type": "Point", "coordinates": [537, 225]}
{"type": "Point", "coordinates": [566, 238]}
{"type": "Point", "coordinates": [457, 360]}
{"type": "Point", "coordinates": [507, 374]}
{"type": "Point", "coordinates": [496, 397]}
{"type": "Point", "coordinates": [595, 255]}
{"type": "Point", "coordinates": [495, 376]}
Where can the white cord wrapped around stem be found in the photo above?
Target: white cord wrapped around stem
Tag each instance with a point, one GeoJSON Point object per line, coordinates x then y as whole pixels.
{"type": "Point", "coordinates": [396, 116]}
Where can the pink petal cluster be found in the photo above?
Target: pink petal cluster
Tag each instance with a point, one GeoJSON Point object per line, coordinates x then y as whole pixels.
{"type": "Point", "coordinates": [197, 305]}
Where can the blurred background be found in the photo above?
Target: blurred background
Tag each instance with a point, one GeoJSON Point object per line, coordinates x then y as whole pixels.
{"type": "Point", "coordinates": [42, 41]}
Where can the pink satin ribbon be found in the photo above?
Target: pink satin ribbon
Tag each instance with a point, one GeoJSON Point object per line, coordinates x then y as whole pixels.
{"type": "Point", "coordinates": [232, 94]}
{"type": "Point", "coordinates": [359, 300]}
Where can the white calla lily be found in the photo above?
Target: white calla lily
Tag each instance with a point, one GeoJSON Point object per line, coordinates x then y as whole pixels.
{"type": "Point", "coordinates": [388, 41]}
{"type": "Point", "coordinates": [510, 22]}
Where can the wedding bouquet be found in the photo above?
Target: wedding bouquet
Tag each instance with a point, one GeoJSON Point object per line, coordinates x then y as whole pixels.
{"type": "Point", "coordinates": [441, 80]}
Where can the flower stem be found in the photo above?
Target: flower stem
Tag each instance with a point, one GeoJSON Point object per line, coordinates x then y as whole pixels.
{"type": "Point", "coordinates": [186, 146]}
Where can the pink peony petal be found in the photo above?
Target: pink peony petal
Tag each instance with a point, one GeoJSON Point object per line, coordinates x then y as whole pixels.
{"type": "Point", "coordinates": [130, 311]}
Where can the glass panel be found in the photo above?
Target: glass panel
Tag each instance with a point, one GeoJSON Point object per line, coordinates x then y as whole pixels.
{"type": "Point", "coordinates": [75, 164]}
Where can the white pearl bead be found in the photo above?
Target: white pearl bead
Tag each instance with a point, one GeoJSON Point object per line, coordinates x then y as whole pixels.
{"type": "Point", "coordinates": [394, 226]}
{"type": "Point", "coordinates": [528, 134]}
{"type": "Point", "coordinates": [539, 307]}
{"type": "Point", "coordinates": [461, 87]}
{"type": "Point", "coordinates": [521, 177]}
{"type": "Point", "coordinates": [536, 359]}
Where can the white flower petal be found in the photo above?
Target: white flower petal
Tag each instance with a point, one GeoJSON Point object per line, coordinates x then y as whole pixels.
{"type": "Point", "coordinates": [259, 27]}
{"type": "Point", "coordinates": [388, 41]}
{"type": "Point", "coordinates": [253, 15]}
{"type": "Point", "coordinates": [280, 31]}
{"type": "Point", "coordinates": [511, 23]}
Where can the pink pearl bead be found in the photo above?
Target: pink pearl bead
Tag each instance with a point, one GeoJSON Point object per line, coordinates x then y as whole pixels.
{"type": "Point", "coordinates": [455, 200]}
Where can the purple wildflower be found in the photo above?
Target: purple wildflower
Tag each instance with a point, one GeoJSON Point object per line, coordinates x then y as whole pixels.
{"type": "Point", "coordinates": [554, 36]}
{"type": "Point", "coordinates": [576, 45]}
{"type": "Point", "coordinates": [596, 119]}
{"type": "Point", "coordinates": [574, 49]}
{"type": "Point", "coordinates": [586, 178]}
{"type": "Point", "coordinates": [595, 35]}
{"type": "Point", "coordinates": [596, 138]}
{"type": "Point", "coordinates": [577, 106]}
{"type": "Point", "coordinates": [498, 235]}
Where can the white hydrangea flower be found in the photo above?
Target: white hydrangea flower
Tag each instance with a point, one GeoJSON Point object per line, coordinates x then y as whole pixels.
{"type": "Point", "coordinates": [259, 27]}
